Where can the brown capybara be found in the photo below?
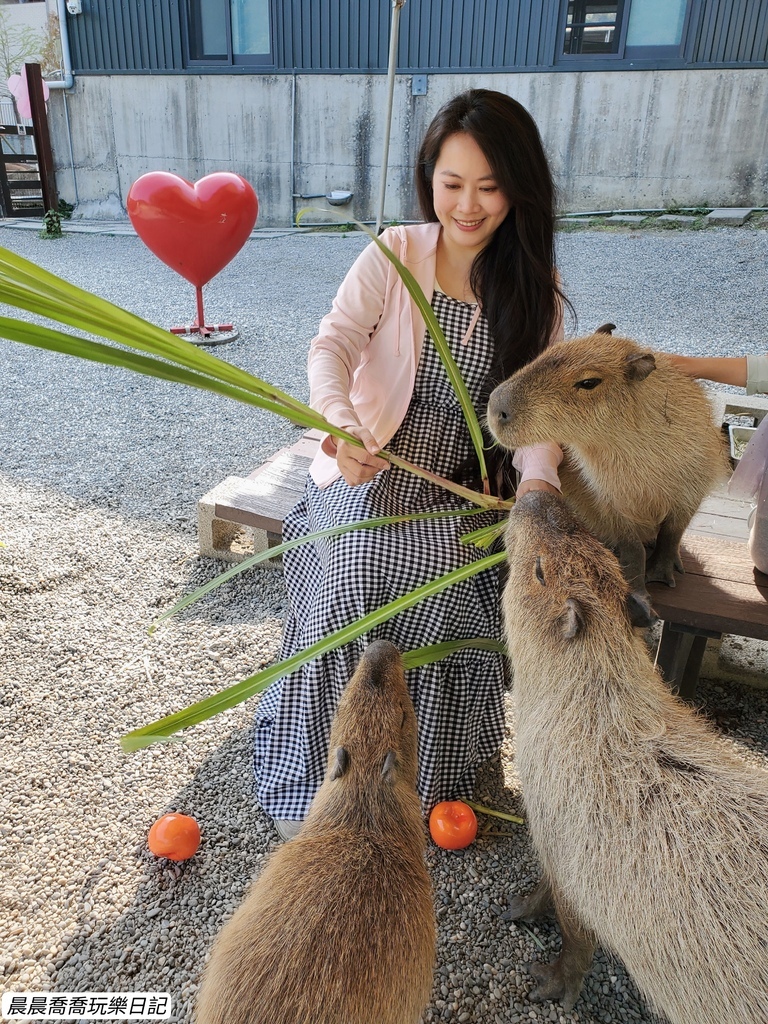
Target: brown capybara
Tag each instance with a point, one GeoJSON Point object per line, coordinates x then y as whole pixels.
{"type": "Point", "coordinates": [652, 833]}
{"type": "Point", "coordinates": [640, 446]}
{"type": "Point", "coordinates": [340, 926]}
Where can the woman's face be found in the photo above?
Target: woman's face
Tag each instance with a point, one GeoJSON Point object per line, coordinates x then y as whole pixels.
{"type": "Point", "coordinates": [468, 202]}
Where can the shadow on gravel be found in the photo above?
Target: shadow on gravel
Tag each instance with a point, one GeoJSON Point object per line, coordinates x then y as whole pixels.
{"type": "Point", "coordinates": [160, 942]}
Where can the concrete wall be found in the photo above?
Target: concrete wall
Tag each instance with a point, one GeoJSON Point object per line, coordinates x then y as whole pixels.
{"type": "Point", "coordinates": [26, 16]}
{"type": "Point", "coordinates": [616, 140]}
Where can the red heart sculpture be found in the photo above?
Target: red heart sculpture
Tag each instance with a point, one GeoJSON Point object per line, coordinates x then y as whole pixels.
{"type": "Point", "coordinates": [195, 229]}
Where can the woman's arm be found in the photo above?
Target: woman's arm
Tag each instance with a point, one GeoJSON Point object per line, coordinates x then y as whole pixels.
{"type": "Point", "coordinates": [343, 335]}
{"type": "Point", "coordinates": [538, 464]}
{"type": "Point", "coordinates": [725, 369]}
{"type": "Point", "coordinates": [335, 354]}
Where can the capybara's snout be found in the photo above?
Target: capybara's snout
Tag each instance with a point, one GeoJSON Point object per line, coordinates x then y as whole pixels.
{"type": "Point", "coordinates": [380, 659]}
{"type": "Point", "coordinates": [499, 411]}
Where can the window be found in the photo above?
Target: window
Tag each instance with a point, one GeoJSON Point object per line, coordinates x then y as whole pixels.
{"type": "Point", "coordinates": [592, 27]}
{"type": "Point", "coordinates": [627, 28]}
{"type": "Point", "coordinates": [230, 32]}
{"type": "Point", "coordinates": [655, 26]}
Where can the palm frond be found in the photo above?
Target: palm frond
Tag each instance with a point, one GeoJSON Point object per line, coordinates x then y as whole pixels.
{"type": "Point", "coordinates": [241, 691]}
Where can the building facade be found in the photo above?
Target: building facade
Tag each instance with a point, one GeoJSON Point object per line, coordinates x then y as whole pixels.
{"type": "Point", "coordinates": [642, 104]}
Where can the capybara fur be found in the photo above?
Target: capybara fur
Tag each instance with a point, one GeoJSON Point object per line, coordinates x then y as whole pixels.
{"type": "Point", "coordinates": [340, 926]}
{"type": "Point", "coordinates": [640, 446]}
{"type": "Point", "coordinates": [651, 831]}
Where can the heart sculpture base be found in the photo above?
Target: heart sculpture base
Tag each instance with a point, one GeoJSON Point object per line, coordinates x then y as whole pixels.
{"type": "Point", "coordinates": [217, 334]}
{"type": "Point", "coordinates": [205, 331]}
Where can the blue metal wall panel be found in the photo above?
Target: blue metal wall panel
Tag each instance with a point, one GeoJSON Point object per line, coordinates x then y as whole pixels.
{"type": "Point", "coordinates": [732, 31]}
{"type": "Point", "coordinates": [435, 35]}
{"type": "Point", "coordinates": [112, 35]}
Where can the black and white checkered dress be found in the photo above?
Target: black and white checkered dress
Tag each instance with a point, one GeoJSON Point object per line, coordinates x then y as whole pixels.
{"type": "Point", "coordinates": [331, 583]}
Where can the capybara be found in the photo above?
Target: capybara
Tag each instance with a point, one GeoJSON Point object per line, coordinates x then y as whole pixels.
{"type": "Point", "coordinates": [340, 926]}
{"type": "Point", "coordinates": [652, 833]}
{"type": "Point", "coordinates": [641, 449]}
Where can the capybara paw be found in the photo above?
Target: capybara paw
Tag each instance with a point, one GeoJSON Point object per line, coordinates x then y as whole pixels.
{"type": "Point", "coordinates": [661, 571]}
{"type": "Point", "coordinates": [552, 983]}
{"type": "Point", "coordinates": [523, 908]}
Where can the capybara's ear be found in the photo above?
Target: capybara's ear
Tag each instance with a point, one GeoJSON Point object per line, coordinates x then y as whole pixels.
{"type": "Point", "coordinates": [341, 763]}
{"type": "Point", "coordinates": [390, 763]}
{"type": "Point", "coordinates": [572, 620]}
{"type": "Point", "coordinates": [640, 365]}
{"type": "Point", "coordinates": [608, 328]}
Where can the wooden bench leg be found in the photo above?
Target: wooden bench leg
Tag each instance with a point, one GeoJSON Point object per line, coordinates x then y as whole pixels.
{"type": "Point", "coordinates": [681, 651]}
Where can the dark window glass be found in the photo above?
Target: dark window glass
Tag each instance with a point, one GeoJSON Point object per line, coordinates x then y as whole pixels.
{"type": "Point", "coordinates": [592, 27]}
{"type": "Point", "coordinates": [207, 30]}
{"type": "Point", "coordinates": [230, 31]}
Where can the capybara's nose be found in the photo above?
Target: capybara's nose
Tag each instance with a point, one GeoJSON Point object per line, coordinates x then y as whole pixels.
{"type": "Point", "coordinates": [498, 406]}
{"type": "Point", "coordinates": [380, 658]}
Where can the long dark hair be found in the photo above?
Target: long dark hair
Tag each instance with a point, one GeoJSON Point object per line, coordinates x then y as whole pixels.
{"type": "Point", "coordinates": [514, 276]}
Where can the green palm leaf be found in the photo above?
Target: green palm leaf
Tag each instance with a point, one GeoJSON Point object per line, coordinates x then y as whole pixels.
{"type": "Point", "coordinates": [150, 350]}
{"type": "Point", "coordinates": [436, 652]}
{"type": "Point", "coordinates": [485, 536]}
{"type": "Point", "coordinates": [241, 691]}
{"type": "Point", "coordinates": [29, 287]}
{"type": "Point", "coordinates": [278, 549]}
{"type": "Point", "coordinates": [444, 352]}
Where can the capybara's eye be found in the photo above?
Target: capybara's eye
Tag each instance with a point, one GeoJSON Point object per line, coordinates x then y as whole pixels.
{"type": "Point", "coordinates": [539, 571]}
{"type": "Point", "coordinates": [589, 383]}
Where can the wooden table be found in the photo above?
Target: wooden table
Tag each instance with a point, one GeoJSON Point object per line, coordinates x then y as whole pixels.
{"type": "Point", "coordinates": [721, 591]}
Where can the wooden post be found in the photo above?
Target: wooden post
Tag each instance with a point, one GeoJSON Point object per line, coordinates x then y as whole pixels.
{"type": "Point", "coordinates": [42, 137]}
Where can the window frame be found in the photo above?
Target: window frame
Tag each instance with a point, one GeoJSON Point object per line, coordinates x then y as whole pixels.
{"type": "Point", "coordinates": [628, 55]}
{"type": "Point", "coordinates": [258, 61]}
{"type": "Point", "coordinates": [621, 21]}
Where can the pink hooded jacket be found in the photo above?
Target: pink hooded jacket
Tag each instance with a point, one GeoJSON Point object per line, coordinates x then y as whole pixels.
{"type": "Point", "coordinates": [362, 364]}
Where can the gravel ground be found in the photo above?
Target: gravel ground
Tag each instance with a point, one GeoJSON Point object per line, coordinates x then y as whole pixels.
{"type": "Point", "coordinates": [100, 473]}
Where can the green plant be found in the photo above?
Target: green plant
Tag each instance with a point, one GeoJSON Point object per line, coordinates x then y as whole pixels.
{"type": "Point", "coordinates": [51, 225]}
{"type": "Point", "coordinates": [150, 350]}
{"type": "Point", "coordinates": [65, 209]}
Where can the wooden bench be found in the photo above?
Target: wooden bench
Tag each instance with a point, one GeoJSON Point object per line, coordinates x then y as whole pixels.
{"type": "Point", "coordinates": [721, 592]}
{"type": "Point", "coordinates": [244, 515]}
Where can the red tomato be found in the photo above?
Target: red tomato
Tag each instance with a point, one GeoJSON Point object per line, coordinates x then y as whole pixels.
{"type": "Point", "coordinates": [453, 825]}
{"type": "Point", "coordinates": [175, 836]}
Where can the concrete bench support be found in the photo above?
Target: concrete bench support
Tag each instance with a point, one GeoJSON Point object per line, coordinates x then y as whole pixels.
{"type": "Point", "coordinates": [244, 515]}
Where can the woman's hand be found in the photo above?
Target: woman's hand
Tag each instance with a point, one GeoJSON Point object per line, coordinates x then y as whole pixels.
{"type": "Point", "coordinates": [535, 485]}
{"type": "Point", "coordinates": [359, 465]}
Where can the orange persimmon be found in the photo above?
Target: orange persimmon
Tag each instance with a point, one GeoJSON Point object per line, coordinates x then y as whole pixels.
{"type": "Point", "coordinates": [452, 824]}
{"type": "Point", "coordinates": [175, 836]}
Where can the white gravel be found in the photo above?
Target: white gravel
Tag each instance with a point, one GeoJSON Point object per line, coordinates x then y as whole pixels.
{"type": "Point", "coordinates": [100, 473]}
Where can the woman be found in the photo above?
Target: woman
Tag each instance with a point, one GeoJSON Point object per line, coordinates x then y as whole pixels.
{"type": "Point", "coordinates": [485, 259]}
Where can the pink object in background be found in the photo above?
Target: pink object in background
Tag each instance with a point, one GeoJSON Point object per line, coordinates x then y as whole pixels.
{"type": "Point", "coordinates": [19, 89]}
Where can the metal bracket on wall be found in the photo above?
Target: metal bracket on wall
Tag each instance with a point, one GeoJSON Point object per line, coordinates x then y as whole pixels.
{"type": "Point", "coordinates": [419, 85]}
